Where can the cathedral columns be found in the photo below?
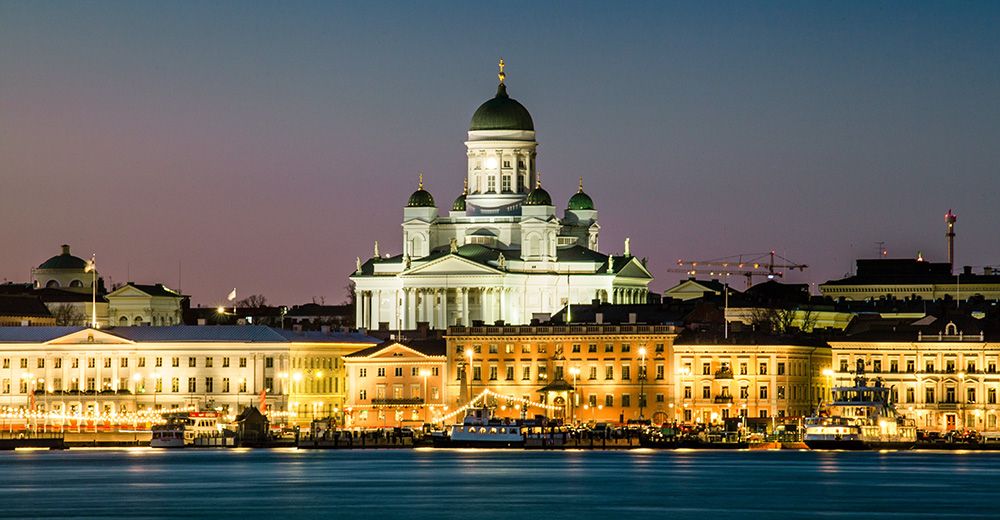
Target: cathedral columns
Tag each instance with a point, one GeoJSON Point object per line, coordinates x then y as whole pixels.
{"type": "Point", "coordinates": [444, 309]}
{"type": "Point", "coordinates": [404, 307]}
{"type": "Point", "coordinates": [503, 304]}
{"type": "Point", "coordinates": [359, 309]}
{"type": "Point", "coordinates": [376, 305]}
{"type": "Point", "coordinates": [465, 306]}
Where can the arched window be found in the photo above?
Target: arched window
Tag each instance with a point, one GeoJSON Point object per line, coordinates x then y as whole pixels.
{"type": "Point", "coordinates": [52, 284]}
{"type": "Point", "coordinates": [123, 321]}
{"type": "Point", "coordinates": [137, 321]}
{"type": "Point", "coordinates": [76, 283]}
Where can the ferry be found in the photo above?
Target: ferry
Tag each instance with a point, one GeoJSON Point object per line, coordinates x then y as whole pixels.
{"type": "Point", "coordinates": [861, 417]}
{"type": "Point", "coordinates": [184, 429]}
{"type": "Point", "coordinates": [480, 430]}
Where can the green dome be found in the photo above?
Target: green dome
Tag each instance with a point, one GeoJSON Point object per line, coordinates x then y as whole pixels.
{"type": "Point", "coordinates": [538, 197]}
{"type": "Point", "coordinates": [64, 261]}
{"type": "Point", "coordinates": [501, 113]}
{"type": "Point", "coordinates": [459, 204]}
{"type": "Point", "coordinates": [581, 200]}
{"type": "Point", "coordinates": [420, 199]}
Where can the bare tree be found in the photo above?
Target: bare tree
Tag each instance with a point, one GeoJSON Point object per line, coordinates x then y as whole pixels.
{"type": "Point", "coordinates": [68, 314]}
{"type": "Point", "coordinates": [349, 289]}
{"type": "Point", "coordinates": [254, 301]}
{"type": "Point", "coordinates": [772, 320]}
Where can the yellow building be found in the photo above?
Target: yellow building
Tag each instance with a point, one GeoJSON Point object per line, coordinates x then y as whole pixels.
{"type": "Point", "coordinates": [316, 376]}
{"type": "Point", "coordinates": [582, 373]}
{"type": "Point", "coordinates": [943, 373]}
{"type": "Point", "coordinates": [716, 380]}
{"type": "Point", "coordinates": [395, 384]}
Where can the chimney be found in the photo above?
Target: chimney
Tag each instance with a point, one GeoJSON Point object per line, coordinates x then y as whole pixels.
{"type": "Point", "coordinates": [65, 249]}
{"type": "Point", "coordinates": [599, 318]}
{"type": "Point", "coordinates": [966, 269]}
{"type": "Point", "coordinates": [631, 317]}
{"type": "Point", "coordinates": [988, 271]}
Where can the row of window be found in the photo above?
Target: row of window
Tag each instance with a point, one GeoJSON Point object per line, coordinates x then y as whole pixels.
{"type": "Point", "coordinates": [397, 371]}
{"type": "Point", "coordinates": [591, 373]}
{"type": "Point", "coordinates": [797, 392]}
{"type": "Point", "coordinates": [950, 395]}
{"type": "Point", "coordinates": [930, 365]}
{"type": "Point", "coordinates": [509, 348]}
{"type": "Point", "coordinates": [140, 386]}
{"type": "Point", "coordinates": [781, 368]}
{"type": "Point", "coordinates": [192, 362]}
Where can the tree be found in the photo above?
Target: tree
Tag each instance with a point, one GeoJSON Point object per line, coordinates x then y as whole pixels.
{"type": "Point", "coordinates": [254, 301]}
{"type": "Point", "coordinates": [67, 314]}
{"type": "Point", "coordinates": [771, 320]}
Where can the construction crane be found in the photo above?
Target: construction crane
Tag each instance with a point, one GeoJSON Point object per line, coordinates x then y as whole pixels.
{"type": "Point", "coordinates": [769, 265]}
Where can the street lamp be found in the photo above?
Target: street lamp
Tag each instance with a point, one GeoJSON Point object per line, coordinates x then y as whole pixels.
{"type": "Point", "coordinates": [468, 371]}
{"type": "Point", "coordinates": [828, 373]}
{"type": "Point", "coordinates": [642, 380]}
{"type": "Point", "coordinates": [575, 372]}
{"type": "Point", "coordinates": [424, 373]}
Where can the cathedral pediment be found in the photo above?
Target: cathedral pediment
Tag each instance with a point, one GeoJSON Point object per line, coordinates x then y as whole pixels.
{"type": "Point", "coordinates": [451, 264]}
{"type": "Point", "coordinates": [633, 269]}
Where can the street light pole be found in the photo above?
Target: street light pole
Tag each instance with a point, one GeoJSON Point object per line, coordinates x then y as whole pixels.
{"type": "Point", "coordinates": [642, 380]}
{"type": "Point", "coordinates": [424, 373]}
{"type": "Point", "coordinates": [575, 371]}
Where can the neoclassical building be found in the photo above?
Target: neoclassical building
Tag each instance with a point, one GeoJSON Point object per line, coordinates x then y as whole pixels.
{"type": "Point", "coordinates": [501, 253]}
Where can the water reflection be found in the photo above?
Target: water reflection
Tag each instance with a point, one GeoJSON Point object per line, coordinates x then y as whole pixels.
{"type": "Point", "coordinates": [447, 483]}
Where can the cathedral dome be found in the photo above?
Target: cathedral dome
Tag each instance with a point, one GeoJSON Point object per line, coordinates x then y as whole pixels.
{"type": "Point", "coordinates": [459, 204]}
{"type": "Point", "coordinates": [538, 197]}
{"type": "Point", "coordinates": [501, 113]}
{"type": "Point", "coordinates": [64, 261]}
{"type": "Point", "coordinates": [421, 198]}
{"type": "Point", "coordinates": [580, 200]}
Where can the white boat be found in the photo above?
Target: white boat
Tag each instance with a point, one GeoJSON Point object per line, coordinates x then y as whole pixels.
{"type": "Point", "coordinates": [480, 430]}
{"type": "Point", "coordinates": [860, 417]}
{"type": "Point", "coordinates": [185, 428]}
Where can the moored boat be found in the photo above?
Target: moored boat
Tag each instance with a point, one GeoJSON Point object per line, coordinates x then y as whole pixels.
{"type": "Point", "coordinates": [860, 417]}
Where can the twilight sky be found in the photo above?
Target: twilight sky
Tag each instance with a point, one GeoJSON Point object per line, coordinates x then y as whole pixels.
{"type": "Point", "coordinates": [265, 146]}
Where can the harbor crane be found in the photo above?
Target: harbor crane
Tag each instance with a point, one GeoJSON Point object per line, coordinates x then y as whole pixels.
{"type": "Point", "coordinates": [769, 265]}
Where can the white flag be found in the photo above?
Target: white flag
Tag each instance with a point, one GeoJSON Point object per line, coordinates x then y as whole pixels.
{"type": "Point", "coordinates": [91, 265]}
{"type": "Point", "coordinates": [232, 295]}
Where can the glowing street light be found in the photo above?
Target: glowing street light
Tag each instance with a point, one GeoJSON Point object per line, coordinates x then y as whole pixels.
{"type": "Point", "coordinates": [424, 373]}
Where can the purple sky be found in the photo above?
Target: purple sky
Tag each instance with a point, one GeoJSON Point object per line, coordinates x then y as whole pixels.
{"type": "Point", "coordinates": [264, 147]}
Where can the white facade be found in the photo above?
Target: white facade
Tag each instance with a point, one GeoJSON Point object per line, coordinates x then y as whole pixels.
{"type": "Point", "coordinates": [501, 253]}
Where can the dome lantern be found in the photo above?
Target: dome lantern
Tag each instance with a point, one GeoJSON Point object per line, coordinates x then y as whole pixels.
{"type": "Point", "coordinates": [580, 200]}
{"type": "Point", "coordinates": [420, 198]}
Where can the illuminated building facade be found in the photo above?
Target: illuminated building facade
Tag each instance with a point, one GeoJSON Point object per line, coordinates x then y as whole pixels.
{"type": "Point", "coordinates": [943, 372]}
{"type": "Point", "coordinates": [586, 372]}
{"type": "Point", "coordinates": [501, 253]}
{"type": "Point", "coordinates": [716, 379]}
{"type": "Point", "coordinates": [395, 384]}
{"type": "Point", "coordinates": [87, 372]}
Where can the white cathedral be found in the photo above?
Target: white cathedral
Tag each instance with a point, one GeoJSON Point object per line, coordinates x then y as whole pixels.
{"type": "Point", "coordinates": [501, 254]}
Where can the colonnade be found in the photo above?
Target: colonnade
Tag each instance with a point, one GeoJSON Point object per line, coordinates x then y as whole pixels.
{"type": "Point", "coordinates": [629, 295]}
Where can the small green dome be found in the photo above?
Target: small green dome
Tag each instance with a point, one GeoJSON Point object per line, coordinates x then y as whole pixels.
{"type": "Point", "coordinates": [420, 199]}
{"type": "Point", "coordinates": [64, 261]}
{"type": "Point", "coordinates": [538, 197]}
{"type": "Point", "coordinates": [459, 204]}
{"type": "Point", "coordinates": [501, 113]}
{"type": "Point", "coordinates": [581, 200]}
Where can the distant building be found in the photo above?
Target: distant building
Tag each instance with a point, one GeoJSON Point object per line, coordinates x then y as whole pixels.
{"type": "Point", "coordinates": [692, 288]}
{"type": "Point", "coordinates": [908, 278]}
{"type": "Point", "coordinates": [63, 271]}
{"type": "Point", "coordinates": [136, 305]}
{"type": "Point", "coordinates": [396, 383]}
{"type": "Point", "coordinates": [18, 310]}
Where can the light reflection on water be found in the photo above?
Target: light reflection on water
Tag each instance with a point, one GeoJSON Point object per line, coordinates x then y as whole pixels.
{"type": "Point", "coordinates": [492, 484]}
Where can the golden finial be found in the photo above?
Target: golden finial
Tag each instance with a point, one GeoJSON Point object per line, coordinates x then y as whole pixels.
{"type": "Point", "coordinates": [420, 183]}
{"type": "Point", "coordinates": [581, 185]}
{"type": "Point", "coordinates": [465, 186]}
{"type": "Point", "coordinates": [538, 179]}
{"type": "Point", "coordinates": [501, 74]}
